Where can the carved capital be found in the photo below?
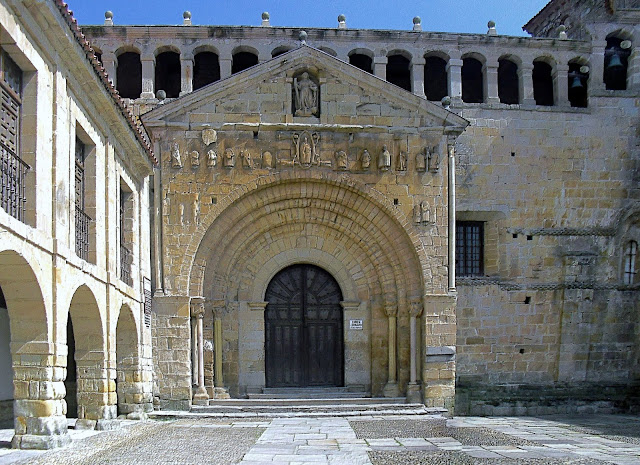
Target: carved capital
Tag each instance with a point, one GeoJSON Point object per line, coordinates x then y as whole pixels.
{"type": "Point", "coordinates": [197, 307]}
{"type": "Point", "coordinates": [391, 310]}
{"type": "Point", "coordinates": [415, 309]}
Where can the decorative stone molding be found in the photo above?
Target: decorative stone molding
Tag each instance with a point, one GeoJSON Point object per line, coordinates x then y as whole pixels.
{"type": "Point", "coordinates": [197, 307]}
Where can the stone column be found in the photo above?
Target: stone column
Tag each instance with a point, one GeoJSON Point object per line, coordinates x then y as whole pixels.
{"type": "Point", "coordinates": [39, 407]}
{"type": "Point", "coordinates": [186, 74]}
{"type": "Point", "coordinates": [194, 350]}
{"type": "Point", "coordinates": [525, 75]}
{"type": "Point", "coordinates": [391, 388]}
{"type": "Point", "coordinates": [454, 71]}
{"type": "Point", "coordinates": [413, 390]}
{"type": "Point", "coordinates": [220, 390]}
{"type": "Point", "coordinates": [633, 71]}
{"type": "Point", "coordinates": [417, 76]}
{"type": "Point", "coordinates": [380, 67]}
{"type": "Point", "coordinates": [596, 73]}
{"type": "Point", "coordinates": [561, 85]}
{"type": "Point", "coordinates": [225, 67]}
{"type": "Point", "coordinates": [491, 82]}
{"type": "Point", "coordinates": [148, 76]}
{"type": "Point", "coordinates": [110, 63]}
{"type": "Point", "coordinates": [451, 188]}
{"type": "Point", "coordinates": [197, 312]}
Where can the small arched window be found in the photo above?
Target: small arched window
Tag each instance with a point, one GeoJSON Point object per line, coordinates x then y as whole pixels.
{"type": "Point", "coordinates": [472, 81]}
{"type": "Point", "coordinates": [398, 71]}
{"type": "Point", "coordinates": [630, 256]}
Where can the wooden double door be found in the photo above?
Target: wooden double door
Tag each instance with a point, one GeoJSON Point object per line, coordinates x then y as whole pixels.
{"type": "Point", "coordinates": [303, 329]}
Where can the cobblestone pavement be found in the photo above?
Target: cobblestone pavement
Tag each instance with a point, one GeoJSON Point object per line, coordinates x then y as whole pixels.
{"type": "Point", "coordinates": [377, 440]}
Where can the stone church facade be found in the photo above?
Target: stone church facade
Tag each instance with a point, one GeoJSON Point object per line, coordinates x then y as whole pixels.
{"type": "Point", "coordinates": [445, 218]}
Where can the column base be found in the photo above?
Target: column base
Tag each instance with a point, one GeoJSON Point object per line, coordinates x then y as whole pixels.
{"type": "Point", "coordinates": [201, 397]}
{"type": "Point", "coordinates": [147, 95]}
{"type": "Point", "coordinates": [40, 442]}
{"type": "Point", "coordinates": [221, 393]}
{"type": "Point", "coordinates": [414, 396]}
{"type": "Point", "coordinates": [391, 390]}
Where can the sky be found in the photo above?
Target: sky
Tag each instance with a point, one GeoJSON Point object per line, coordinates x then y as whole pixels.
{"type": "Point", "coordinates": [437, 15]}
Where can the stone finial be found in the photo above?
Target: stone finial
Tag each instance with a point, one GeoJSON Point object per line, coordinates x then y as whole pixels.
{"type": "Point", "coordinates": [625, 44]}
{"type": "Point", "coordinates": [342, 22]}
{"type": "Point", "coordinates": [303, 37]}
{"type": "Point", "coordinates": [492, 28]}
{"type": "Point", "coordinates": [108, 18]}
{"type": "Point", "coordinates": [186, 18]}
{"type": "Point", "coordinates": [417, 23]}
{"type": "Point", "coordinates": [161, 95]}
{"type": "Point", "coordinates": [446, 102]}
{"type": "Point", "coordinates": [265, 19]}
{"type": "Point", "coordinates": [562, 32]}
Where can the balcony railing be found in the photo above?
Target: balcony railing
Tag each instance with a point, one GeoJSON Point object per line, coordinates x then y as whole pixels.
{"type": "Point", "coordinates": [12, 183]}
{"type": "Point", "coordinates": [125, 265]}
{"type": "Point", "coordinates": [83, 222]}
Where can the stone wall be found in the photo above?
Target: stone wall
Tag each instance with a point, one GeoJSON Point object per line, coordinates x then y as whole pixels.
{"type": "Point", "coordinates": [551, 318]}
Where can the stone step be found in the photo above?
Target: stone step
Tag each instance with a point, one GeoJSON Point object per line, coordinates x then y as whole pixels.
{"type": "Point", "coordinates": [279, 400]}
{"type": "Point", "coordinates": [266, 410]}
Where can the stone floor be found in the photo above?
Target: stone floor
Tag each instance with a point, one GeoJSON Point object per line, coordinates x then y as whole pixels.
{"type": "Point", "coordinates": [399, 439]}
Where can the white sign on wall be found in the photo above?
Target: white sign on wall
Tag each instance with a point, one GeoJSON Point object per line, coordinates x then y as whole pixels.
{"type": "Point", "coordinates": [355, 324]}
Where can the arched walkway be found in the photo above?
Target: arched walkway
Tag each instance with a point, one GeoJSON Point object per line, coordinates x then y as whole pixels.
{"type": "Point", "coordinates": [128, 379]}
{"type": "Point", "coordinates": [38, 405]}
{"type": "Point", "coordinates": [93, 384]}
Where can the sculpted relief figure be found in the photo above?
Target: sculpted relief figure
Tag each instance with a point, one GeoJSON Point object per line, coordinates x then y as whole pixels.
{"type": "Point", "coordinates": [212, 158]}
{"type": "Point", "coordinates": [267, 160]}
{"type": "Point", "coordinates": [365, 160]}
{"type": "Point", "coordinates": [384, 161]}
{"type": "Point", "coordinates": [433, 160]}
{"type": "Point", "coordinates": [229, 158]}
{"type": "Point", "coordinates": [195, 159]}
{"type": "Point", "coordinates": [422, 213]}
{"type": "Point", "coordinates": [246, 159]}
{"type": "Point", "coordinates": [402, 161]}
{"type": "Point", "coordinates": [341, 160]}
{"type": "Point", "coordinates": [421, 161]}
{"type": "Point", "coordinates": [306, 96]}
{"type": "Point", "coordinates": [176, 160]}
{"type": "Point", "coordinates": [306, 150]}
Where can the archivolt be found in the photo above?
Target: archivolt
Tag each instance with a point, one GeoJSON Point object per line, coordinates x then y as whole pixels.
{"type": "Point", "coordinates": [333, 213]}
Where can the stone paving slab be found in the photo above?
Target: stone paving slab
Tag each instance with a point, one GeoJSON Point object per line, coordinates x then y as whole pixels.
{"type": "Point", "coordinates": [289, 441]}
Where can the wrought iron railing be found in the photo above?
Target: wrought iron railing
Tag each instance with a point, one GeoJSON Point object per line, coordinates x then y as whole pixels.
{"type": "Point", "coordinates": [12, 183]}
{"type": "Point", "coordinates": [125, 265]}
{"type": "Point", "coordinates": [83, 221]}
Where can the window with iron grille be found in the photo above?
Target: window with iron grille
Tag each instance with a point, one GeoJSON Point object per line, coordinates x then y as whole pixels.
{"type": "Point", "coordinates": [469, 248]}
{"type": "Point", "coordinates": [13, 169]}
{"type": "Point", "coordinates": [82, 219]}
{"type": "Point", "coordinates": [630, 256]}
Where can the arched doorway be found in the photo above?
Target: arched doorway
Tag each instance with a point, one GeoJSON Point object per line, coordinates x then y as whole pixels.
{"type": "Point", "coordinates": [303, 329]}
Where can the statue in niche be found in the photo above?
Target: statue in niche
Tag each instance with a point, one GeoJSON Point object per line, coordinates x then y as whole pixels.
{"type": "Point", "coordinates": [365, 160]}
{"type": "Point", "coordinates": [402, 161]}
{"type": "Point", "coordinates": [421, 160]}
{"type": "Point", "coordinates": [433, 160]}
{"type": "Point", "coordinates": [267, 160]}
{"type": "Point", "coordinates": [341, 160]}
{"type": "Point", "coordinates": [229, 158]}
{"type": "Point", "coordinates": [384, 161]}
{"type": "Point", "coordinates": [176, 159]}
{"type": "Point", "coordinates": [306, 96]}
{"type": "Point", "coordinates": [212, 158]}
{"type": "Point", "coordinates": [195, 159]}
{"type": "Point", "coordinates": [245, 155]}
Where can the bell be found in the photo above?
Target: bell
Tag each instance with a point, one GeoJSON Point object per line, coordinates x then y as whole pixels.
{"type": "Point", "coordinates": [614, 63]}
{"type": "Point", "coordinates": [576, 83]}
